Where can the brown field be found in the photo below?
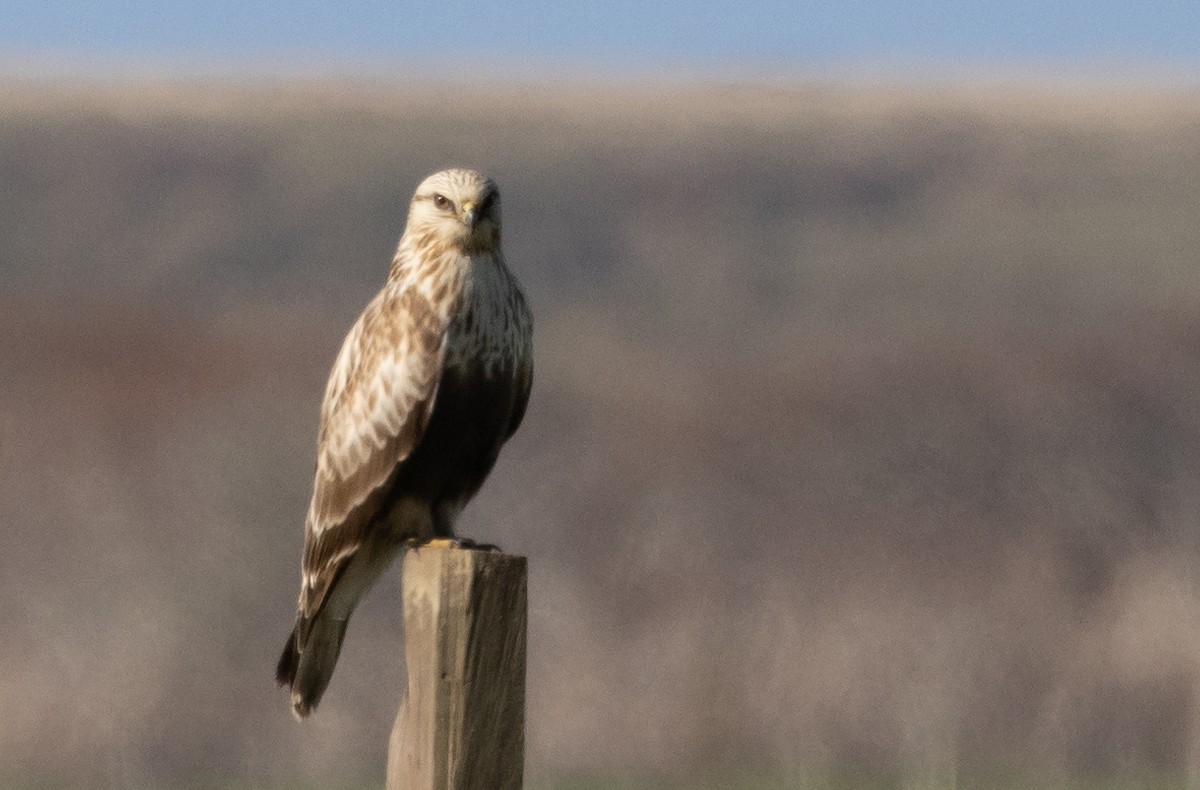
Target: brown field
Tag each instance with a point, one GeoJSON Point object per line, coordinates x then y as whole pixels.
{"type": "Point", "coordinates": [865, 435]}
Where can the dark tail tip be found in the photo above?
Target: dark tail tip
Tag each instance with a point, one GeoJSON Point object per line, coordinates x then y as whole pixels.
{"type": "Point", "coordinates": [289, 662]}
{"type": "Point", "coordinates": [308, 660]}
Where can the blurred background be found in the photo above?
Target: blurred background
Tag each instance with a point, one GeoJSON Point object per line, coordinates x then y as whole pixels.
{"type": "Point", "coordinates": [864, 447]}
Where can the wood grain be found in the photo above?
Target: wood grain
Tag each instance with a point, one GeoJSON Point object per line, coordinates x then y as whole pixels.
{"type": "Point", "coordinates": [462, 722]}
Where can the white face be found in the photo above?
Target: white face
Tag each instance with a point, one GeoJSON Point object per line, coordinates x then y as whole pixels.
{"type": "Point", "coordinates": [462, 206]}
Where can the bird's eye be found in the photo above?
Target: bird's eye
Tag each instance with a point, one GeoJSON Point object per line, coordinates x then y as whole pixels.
{"type": "Point", "coordinates": [442, 202]}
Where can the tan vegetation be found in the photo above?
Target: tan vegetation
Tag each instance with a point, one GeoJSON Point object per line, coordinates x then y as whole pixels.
{"type": "Point", "coordinates": [865, 431]}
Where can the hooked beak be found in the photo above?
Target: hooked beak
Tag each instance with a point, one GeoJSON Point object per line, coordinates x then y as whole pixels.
{"type": "Point", "coordinates": [468, 214]}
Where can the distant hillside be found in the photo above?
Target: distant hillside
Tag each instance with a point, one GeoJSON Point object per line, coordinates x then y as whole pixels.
{"type": "Point", "coordinates": [814, 200]}
{"type": "Point", "coordinates": [865, 431]}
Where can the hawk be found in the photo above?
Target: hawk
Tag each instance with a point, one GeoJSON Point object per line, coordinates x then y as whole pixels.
{"type": "Point", "coordinates": [432, 379]}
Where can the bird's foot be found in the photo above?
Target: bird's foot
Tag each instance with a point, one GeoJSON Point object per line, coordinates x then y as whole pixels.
{"type": "Point", "coordinates": [467, 543]}
{"type": "Point", "coordinates": [461, 543]}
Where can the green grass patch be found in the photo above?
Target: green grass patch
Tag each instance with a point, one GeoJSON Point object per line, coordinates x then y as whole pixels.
{"type": "Point", "coordinates": [852, 780]}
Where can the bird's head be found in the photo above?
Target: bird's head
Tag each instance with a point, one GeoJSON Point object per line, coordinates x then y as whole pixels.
{"type": "Point", "coordinates": [460, 208]}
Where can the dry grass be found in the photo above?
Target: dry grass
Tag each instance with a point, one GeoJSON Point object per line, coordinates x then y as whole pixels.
{"type": "Point", "coordinates": [865, 431]}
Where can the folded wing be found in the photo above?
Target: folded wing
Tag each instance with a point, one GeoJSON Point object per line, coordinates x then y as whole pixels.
{"type": "Point", "coordinates": [376, 409]}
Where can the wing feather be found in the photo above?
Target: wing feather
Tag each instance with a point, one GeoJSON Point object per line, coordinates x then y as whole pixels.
{"type": "Point", "coordinates": [376, 409]}
{"type": "Point", "coordinates": [524, 361]}
{"type": "Point", "coordinates": [524, 383]}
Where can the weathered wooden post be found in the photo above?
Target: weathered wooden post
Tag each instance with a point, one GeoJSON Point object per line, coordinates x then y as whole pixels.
{"type": "Point", "coordinates": [461, 725]}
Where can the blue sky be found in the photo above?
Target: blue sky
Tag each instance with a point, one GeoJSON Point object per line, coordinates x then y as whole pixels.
{"type": "Point", "coordinates": [448, 34]}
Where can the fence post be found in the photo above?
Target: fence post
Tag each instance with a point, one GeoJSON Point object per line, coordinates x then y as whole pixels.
{"type": "Point", "coordinates": [461, 724]}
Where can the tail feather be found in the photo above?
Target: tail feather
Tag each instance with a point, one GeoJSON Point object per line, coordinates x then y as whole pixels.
{"type": "Point", "coordinates": [308, 660]}
{"type": "Point", "coordinates": [285, 670]}
{"type": "Point", "coordinates": [312, 650]}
